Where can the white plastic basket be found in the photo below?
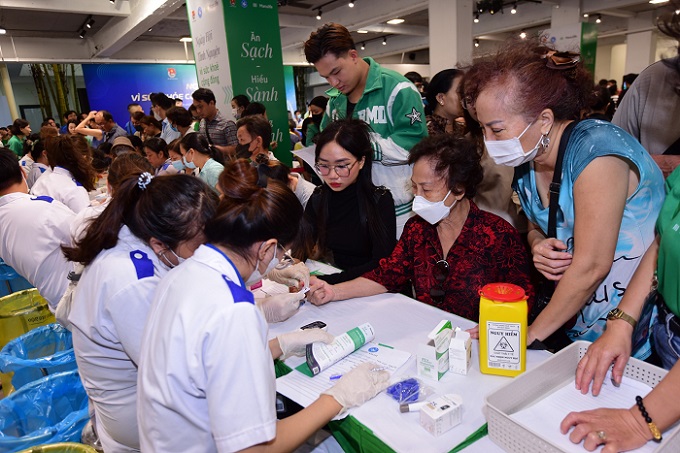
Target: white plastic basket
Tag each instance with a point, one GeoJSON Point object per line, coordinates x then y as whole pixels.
{"type": "Point", "coordinates": [541, 381]}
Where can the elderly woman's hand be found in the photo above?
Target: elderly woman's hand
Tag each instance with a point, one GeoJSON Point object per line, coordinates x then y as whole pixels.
{"type": "Point", "coordinates": [550, 259]}
{"type": "Point", "coordinates": [320, 292]}
{"type": "Point", "coordinates": [613, 346]}
{"type": "Point", "coordinates": [616, 429]}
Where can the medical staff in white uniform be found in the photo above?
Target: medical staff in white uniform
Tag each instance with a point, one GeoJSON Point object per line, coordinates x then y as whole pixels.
{"type": "Point", "coordinates": [206, 375]}
{"type": "Point", "coordinates": [32, 230]}
{"type": "Point", "coordinates": [126, 250]}
{"type": "Point", "coordinates": [72, 177]}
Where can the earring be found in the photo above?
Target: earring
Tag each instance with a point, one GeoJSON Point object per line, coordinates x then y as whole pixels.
{"type": "Point", "coordinates": [545, 141]}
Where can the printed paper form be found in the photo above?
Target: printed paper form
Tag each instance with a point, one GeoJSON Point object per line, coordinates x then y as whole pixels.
{"type": "Point", "coordinates": [545, 416]}
{"type": "Point", "coordinates": [305, 390]}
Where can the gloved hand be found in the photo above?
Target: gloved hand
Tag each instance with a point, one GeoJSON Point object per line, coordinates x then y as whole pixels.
{"type": "Point", "coordinates": [295, 343]}
{"type": "Point", "coordinates": [359, 385]}
{"type": "Point", "coordinates": [279, 307]}
{"type": "Point", "coordinates": [291, 275]}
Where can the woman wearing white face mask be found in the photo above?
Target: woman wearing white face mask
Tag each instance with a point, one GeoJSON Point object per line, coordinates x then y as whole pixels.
{"type": "Point", "coordinates": [451, 249]}
{"type": "Point", "coordinates": [206, 373]}
{"type": "Point", "coordinates": [140, 235]}
{"type": "Point", "coordinates": [609, 189]}
{"type": "Point", "coordinates": [199, 154]}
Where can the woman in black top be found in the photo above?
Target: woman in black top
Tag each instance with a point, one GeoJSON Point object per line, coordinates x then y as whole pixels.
{"type": "Point", "coordinates": [352, 221]}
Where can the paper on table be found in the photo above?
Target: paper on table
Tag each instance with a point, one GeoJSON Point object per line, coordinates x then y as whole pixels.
{"type": "Point", "coordinates": [304, 390]}
{"type": "Point", "coordinates": [545, 416]}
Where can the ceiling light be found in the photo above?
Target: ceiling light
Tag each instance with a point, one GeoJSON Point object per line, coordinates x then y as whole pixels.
{"type": "Point", "coordinates": [113, 2]}
{"type": "Point", "coordinates": [523, 35]}
{"type": "Point", "coordinates": [585, 14]}
{"type": "Point", "coordinates": [514, 9]}
{"type": "Point", "coordinates": [655, 2]}
{"type": "Point", "coordinates": [351, 4]}
{"type": "Point", "coordinates": [476, 19]}
{"type": "Point", "coordinates": [185, 39]}
{"type": "Point", "coordinates": [363, 46]}
{"type": "Point", "coordinates": [385, 41]}
{"type": "Point", "coordinates": [150, 29]}
{"type": "Point", "coordinates": [395, 21]}
{"type": "Point", "coordinates": [2, 31]}
{"type": "Point", "coordinates": [318, 14]}
{"type": "Point", "coordinates": [599, 19]}
{"type": "Point", "coordinates": [492, 11]}
{"type": "Point", "coordinates": [81, 33]}
{"type": "Point", "coordinates": [363, 32]}
{"type": "Point", "coordinates": [90, 22]}
{"type": "Point", "coordinates": [677, 12]}
{"type": "Point", "coordinates": [476, 42]}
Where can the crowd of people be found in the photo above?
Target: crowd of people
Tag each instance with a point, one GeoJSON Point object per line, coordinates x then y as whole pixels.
{"type": "Point", "coordinates": [508, 170]}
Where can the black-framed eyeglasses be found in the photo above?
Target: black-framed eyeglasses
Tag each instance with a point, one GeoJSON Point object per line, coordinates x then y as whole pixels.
{"type": "Point", "coordinates": [340, 170]}
{"type": "Point", "coordinates": [440, 273]}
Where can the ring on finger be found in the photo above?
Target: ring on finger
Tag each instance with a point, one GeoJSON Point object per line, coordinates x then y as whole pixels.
{"type": "Point", "coordinates": [602, 436]}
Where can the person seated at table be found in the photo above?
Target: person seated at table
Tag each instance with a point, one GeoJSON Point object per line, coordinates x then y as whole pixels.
{"type": "Point", "coordinates": [206, 375]}
{"type": "Point", "coordinates": [451, 249]}
{"type": "Point", "coordinates": [156, 151]}
{"type": "Point", "coordinates": [141, 234]}
{"type": "Point", "coordinates": [351, 221]}
{"type": "Point", "coordinates": [197, 153]}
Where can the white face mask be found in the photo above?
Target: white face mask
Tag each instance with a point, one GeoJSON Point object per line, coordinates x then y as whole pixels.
{"type": "Point", "coordinates": [234, 112]}
{"type": "Point", "coordinates": [166, 262]}
{"type": "Point", "coordinates": [256, 276]}
{"type": "Point", "coordinates": [510, 152]}
{"type": "Point", "coordinates": [432, 211]}
{"type": "Point", "coordinates": [157, 116]}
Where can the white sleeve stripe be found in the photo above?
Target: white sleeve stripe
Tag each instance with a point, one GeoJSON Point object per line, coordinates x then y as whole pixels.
{"type": "Point", "coordinates": [393, 96]}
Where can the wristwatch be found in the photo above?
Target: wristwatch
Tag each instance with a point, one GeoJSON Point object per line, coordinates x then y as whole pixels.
{"type": "Point", "coordinates": [620, 314]}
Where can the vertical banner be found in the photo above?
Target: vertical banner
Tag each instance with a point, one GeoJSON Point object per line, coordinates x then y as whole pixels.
{"type": "Point", "coordinates": [206, 21]}
{"type": "Point", "coordinates": [254, 43]}
{"type": "Point", "coordinates": [589, 45]}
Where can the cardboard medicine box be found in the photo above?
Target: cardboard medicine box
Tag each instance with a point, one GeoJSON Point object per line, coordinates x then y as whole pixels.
{"type": "Point", "coordinates": [460, 352]}
{"type": "Point", "coordinates": [441, 414]}
{"type": "Point", "coordinates": [433, 357]}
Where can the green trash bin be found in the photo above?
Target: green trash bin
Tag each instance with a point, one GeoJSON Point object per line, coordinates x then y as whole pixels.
{"type": "Point", "coordinates": [63, 447]}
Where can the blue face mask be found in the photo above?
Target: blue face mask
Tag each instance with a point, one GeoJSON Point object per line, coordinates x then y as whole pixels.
{"type": "Point", "coordinates": [189, 165]}
{"type": "Point", "coordinates": [178, 164]}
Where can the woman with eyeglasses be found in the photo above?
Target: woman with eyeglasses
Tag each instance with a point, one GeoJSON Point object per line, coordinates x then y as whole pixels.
{"type": "Point", "coordinates": [451, 249]}
{"type": "Point", "coordinates": [352, 221]}
{"type": "Point", "coordinates": [139, 237]}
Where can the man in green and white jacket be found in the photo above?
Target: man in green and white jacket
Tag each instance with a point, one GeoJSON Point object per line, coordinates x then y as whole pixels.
{"type": "Point", "coordinates": [383, 98]}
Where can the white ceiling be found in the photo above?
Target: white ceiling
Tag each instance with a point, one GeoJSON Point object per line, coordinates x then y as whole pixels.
{"type": "Point", "coordinates": [149, 30]}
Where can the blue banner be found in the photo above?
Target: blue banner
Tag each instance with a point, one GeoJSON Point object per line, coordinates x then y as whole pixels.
{"type": "Point", "coordinates": [113, 86]}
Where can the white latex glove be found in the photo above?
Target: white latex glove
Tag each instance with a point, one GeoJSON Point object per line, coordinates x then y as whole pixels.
{"type": "Point", "coordinates": [291, 275]}
{"type": "Point", "coordinates": [359, 385]}
{"type": "Point", "coordinates": [279, 307]}
{"type": "Point", "coordinates": [295, 343]}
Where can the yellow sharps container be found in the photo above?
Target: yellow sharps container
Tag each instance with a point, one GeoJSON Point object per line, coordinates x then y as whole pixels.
{"type": "Point", "coordinates": [502, 329]}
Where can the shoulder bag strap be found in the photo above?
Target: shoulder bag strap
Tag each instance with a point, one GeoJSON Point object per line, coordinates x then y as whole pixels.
{"type": "Point", "coordinates": [557, 181]}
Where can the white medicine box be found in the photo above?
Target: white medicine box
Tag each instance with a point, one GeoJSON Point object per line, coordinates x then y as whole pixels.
{"type": "Point", "coordinates": [433, 357]}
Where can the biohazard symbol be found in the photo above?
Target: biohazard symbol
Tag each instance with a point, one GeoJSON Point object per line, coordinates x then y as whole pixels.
{"type": "Point", "coordinates": [503, 346]}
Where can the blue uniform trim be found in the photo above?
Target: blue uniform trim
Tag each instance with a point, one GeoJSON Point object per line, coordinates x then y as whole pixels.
{"type": "Point", "coordinates": [165, 166]}
{"type": "Point", "coordinates": [239, 293]}
{"type": "Point", "coordinates": [43, 198]}
{"type": "Point", "coordinates": [77, 183]}
{"type": "Point", "coordinates": [240, 279]}
{"type": "Point", "coordinates": [42, 170]}
{"type": "Point", "coordinates": [143, 265]}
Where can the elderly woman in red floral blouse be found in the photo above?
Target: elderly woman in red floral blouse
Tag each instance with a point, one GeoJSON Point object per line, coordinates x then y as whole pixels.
{"type": "Point", "coordinates": [451, 248]}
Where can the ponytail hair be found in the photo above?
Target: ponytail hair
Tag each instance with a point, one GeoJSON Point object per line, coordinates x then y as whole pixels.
{"type": "Point", "coordinates": [171, 209]}
{"type": "Point", "coordinates": [200, 144]}
{"type": "Point", "coordinates": [249, 213]}
{"type": "Point", "coordinates": [61, 152]}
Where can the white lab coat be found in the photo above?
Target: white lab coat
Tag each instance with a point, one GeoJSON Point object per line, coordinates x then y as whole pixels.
{"type": "Point", "coordinates": [108, 313]}
{"type": "Point", "coordinates": [32, 230]}
{"type": "Point", "coordinates": [206, 376]}
{"type": "Point", "coordinates": [60, 185]}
